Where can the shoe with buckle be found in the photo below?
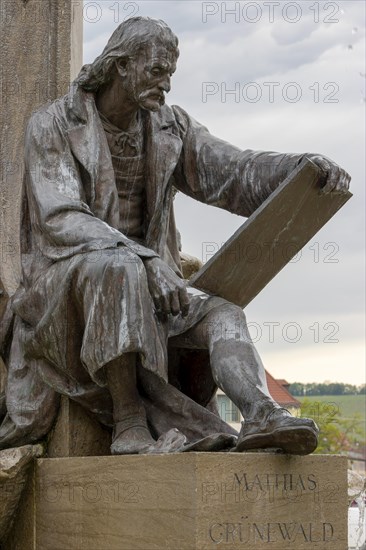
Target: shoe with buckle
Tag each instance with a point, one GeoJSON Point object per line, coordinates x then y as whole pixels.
{"type": "Point", "coordinates": [279, 430]}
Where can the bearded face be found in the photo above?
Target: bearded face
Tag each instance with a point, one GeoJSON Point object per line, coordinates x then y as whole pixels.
{"type": "Point", "coordinates": [146, 78]}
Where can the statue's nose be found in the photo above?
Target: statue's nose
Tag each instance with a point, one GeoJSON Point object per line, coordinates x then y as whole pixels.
{"type": "Point", "coordinates": [165, 84]}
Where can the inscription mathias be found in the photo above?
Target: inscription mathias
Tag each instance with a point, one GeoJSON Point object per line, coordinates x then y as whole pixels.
{"type": "Point", "coordinates": [288, 481]}
{"type": "Point", "coordinates": [271, 487]}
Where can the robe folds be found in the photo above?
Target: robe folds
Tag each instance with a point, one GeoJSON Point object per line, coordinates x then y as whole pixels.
{"type": "Point", "coordinates": [84, 298]}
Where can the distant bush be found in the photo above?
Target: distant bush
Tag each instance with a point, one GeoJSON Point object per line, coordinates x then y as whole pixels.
{"type": "Point", "coordinates": [326, 388]}
{"type": "Point", "coordinates": [337, 434]}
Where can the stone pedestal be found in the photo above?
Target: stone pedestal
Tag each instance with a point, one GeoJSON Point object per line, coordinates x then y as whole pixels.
{"type": "Point", "coordinates": [77, 434]}
{"type": "Point", "coordinates": [183, 502]}
{"type": "Point", "coordinates": [14, 467]}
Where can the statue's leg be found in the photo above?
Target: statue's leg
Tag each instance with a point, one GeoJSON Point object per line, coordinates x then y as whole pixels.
{"type": "Point", "coordinates": [118, 324]}
{"type": "Point", "coordinates": [238, 370]}
{"type": "Point", "coordinates": [235, 363]}
{"type": "Point", "coordinates": [131, 434]}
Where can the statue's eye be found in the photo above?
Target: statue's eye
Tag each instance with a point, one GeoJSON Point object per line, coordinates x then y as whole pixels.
{"type": "Point", "coordinates": [156, 71]}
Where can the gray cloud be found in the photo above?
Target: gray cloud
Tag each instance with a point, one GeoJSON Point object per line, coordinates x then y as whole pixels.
{"type": "Point", "coordinates": [306, 53]}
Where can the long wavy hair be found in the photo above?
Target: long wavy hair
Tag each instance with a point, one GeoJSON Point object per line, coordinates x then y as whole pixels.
{"type": "Point", "coordinates": [126, 42]}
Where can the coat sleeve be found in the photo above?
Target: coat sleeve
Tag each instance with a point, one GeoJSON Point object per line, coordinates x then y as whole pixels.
{"type": "Point", "coordinates": [218, 173]}
{"type": "Point", "coordinates": [62, 222]}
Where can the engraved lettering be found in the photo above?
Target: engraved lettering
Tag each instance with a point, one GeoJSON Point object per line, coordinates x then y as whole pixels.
{"type": "Point", "coordinates": [233, 532]}
{"type": "Point", "coordinates": [243, 478]}
{"type": "Point", "coordinates": [258, 532]}
{"type": "Point", "coordinates": [253, 532]}
{"type": "Point", "coordinates": [312, 482]}
{"type": "Point", "coordinates": [301, 531]}
{"type": "Point", "coordinates": [267, 486]}
{"type": "Point", "coordinates": [216, 531]}
{"type": "Point", "coordinates": [257, 481]}
{"type": "Point", "coordinates": [312, 536]}
{"type": "Point", "coordinates": [328, 532]}
{"type": "Point", "coordinates": [284, 530]}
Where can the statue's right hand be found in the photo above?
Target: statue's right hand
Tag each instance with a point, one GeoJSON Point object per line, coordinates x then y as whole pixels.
{"type": "Point", "coordinates": [167, 290]}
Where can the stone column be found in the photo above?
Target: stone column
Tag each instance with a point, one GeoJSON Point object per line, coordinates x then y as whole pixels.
{"type": "Point", "coordinates": [41, 52]}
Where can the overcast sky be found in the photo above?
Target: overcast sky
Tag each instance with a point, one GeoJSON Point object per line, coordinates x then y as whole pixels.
{"type": "Point", "coordinates": [298, 72]}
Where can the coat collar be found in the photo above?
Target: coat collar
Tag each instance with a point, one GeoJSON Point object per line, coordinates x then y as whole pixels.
{"type": "Point", "coordinates": [163, 148]}
{"type": "Point", "coordinates": [79, 100]}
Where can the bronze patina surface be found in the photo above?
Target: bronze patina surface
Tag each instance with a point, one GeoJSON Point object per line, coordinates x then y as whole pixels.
{"type": "Point", "coordinates": [102, 299]}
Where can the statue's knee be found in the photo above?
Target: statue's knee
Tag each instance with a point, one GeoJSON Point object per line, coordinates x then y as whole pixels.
{"type": "Point", "coordinates": [137, 275]}
{"type": "Point", "coordinates": [226, 322]}
{"type": "Point", "coordinates": [127, 268]}
{"type": "Point", "coordinates": [114, 264]}
{"type": "Point", "coordinates": [231, 312]}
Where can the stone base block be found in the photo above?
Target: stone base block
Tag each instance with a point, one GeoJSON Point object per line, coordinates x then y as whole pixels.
{"type": "Point", "coordinates": [190, 501]}
{"type": "Point", "coordinates": [77, 434]}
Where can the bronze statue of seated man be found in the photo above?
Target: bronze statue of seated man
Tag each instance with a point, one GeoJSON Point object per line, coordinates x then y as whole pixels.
{"type": "Point", "coordinates": [103, 314]}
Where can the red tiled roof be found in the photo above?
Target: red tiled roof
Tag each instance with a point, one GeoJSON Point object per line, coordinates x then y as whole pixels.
{"type": "Point", "coordinates": [282, 382]}
{"type": "Point", "coordinates": [279, 393]}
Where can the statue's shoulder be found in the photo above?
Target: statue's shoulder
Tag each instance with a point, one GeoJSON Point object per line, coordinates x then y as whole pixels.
{"type": "Point", "coordinates": [46, 114]}
{"type": "Point", "coordinates": [172, 116]}
{"type": "Point", "coordinates": [185, 121]}
{"type": "Point", "coordinates": [165, 115]}
{"type": "Point", "coordinates": [74, 108]}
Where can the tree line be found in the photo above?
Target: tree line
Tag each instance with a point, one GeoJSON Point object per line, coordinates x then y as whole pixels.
{"type": "Point", "coordinates": [326, 388]}
{"type": "Point", "coordinates": [337, 434]}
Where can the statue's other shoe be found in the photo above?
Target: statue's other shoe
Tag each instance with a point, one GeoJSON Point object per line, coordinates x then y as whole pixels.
{"type": "Point", "coordinates": [130, 440]}
{"type": "Point", "coordinates": [170, 442]}
{"type": "Point", "coordinates": [212, 443]}
{"type": "Point", "coordinates": [279, 430]}
{"type": "Point", "coordinates": [138, 440]}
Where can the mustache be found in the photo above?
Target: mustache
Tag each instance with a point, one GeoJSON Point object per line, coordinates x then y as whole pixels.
{"type": "Point", "coordinates": [152, 93]}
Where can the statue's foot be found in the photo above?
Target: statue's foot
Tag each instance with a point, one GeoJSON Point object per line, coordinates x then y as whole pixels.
{"type": "Point", "coordinates": [170, 442]}
{"type": "Point", "coordinates": [138, 440]}
{"type": "Point", "coordinates": [131, 440]}
{"type": "Point", "coordinates": [212, 443]}
{"type": "Point", "coordinates": [280, 430]}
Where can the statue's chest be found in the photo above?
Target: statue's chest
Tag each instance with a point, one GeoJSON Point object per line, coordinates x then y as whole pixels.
{"type": "Point", "coordinates": [128, 160]}
{"type": "Point", "coordinates": [130, 182]}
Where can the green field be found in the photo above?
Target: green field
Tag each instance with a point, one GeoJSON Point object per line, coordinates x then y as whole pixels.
{"type": "Point", "coordinates": [346, 405]}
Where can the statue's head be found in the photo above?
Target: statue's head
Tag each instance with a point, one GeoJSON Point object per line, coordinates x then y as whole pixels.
{"type": "Point", "coordinates": [137, 46]}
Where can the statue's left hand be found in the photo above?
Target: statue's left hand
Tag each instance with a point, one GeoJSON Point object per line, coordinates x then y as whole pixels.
{"type": "Point", "coordinates": [336, 179]}
{"type": "Point", "coordinates": [167, 290]}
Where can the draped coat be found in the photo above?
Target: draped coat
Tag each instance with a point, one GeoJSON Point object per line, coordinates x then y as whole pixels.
{"type": "Point", "coordinates": [71, 210]}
